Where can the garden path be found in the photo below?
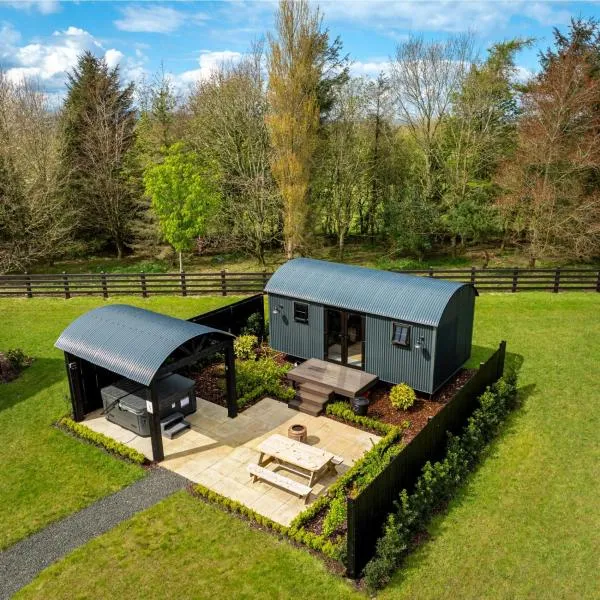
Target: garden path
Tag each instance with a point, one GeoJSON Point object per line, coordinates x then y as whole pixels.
{"type": "Point", "coordinates": [20, 563]}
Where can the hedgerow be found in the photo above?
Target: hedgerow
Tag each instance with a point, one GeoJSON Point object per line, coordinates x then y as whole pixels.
{"type": "Point", "coordinates": [98, 439]}
{"type": "Point", "coordinates": [343, 411]}
{"type": "Point", "coordinates": [438, 481]}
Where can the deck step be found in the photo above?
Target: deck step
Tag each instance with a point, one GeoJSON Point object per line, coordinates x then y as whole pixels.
{"type": "Point", "coordinates": [317, 388]}
{"type": "Point", "coordinates": [173, 424]}
{"type": "Point", "coordinates": [305, 407]}
{"type": "Point", "coordinates": [313, 397]}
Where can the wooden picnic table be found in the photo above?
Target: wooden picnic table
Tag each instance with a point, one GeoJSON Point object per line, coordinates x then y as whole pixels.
{"type": "Point", "coordinates": [297, 457]}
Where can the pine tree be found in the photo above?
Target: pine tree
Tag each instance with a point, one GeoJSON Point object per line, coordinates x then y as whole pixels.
{"type": "Point", "coordinates": [98, 122]}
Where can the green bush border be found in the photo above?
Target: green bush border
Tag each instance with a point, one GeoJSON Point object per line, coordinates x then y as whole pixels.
{"type": "Point", "coordinates": [342, 410]}
{"type": "Point", "coordinates": [313, 541]}
{"type": "Point", "coordinates": [101, 440]}
{"type": "Point", "coordinates": [439, 481]}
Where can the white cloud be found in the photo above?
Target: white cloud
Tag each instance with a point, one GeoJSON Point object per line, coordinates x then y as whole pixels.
{"type": "Point", "coordinates": [44, 7]}
{"type": "Point", "coordinates": [370, 68]}
{"type": "Point", "coordinates": [522, 74]}
{"type": "Point", "coordinates": [9, 38]}
{"type": "Point", "coordinates": [208, 62]}
{"type": "Point", "coordinates": [150, 19]}
{"type": "Point", "coordinates": [447, 16]}
{"type": "Point", "coordinates": [113, 57]}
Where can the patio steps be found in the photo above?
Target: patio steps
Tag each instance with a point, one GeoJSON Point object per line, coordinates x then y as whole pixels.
{"type": "Point", "coordinates": [311, 398]}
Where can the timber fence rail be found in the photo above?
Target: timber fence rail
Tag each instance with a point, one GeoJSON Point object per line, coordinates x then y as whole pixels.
{"type": "Point", "coordinates": [368, 512]}
{"type": "Point", "coordinates": [224, 282]}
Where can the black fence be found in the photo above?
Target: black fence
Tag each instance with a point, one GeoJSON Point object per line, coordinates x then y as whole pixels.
{"type": "Point", "coordinates": [368, 512]}
{"type": "Point", "coordinates": [223, 282]}
{"type": "Point", "coordinates": [234, 317]}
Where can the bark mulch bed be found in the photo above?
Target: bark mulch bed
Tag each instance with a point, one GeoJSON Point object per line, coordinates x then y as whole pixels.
{"type": "Point", "coordinates": [423, 409]}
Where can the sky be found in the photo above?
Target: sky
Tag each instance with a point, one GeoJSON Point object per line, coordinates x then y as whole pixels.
{"type": "Point", "coordinates": [42, 38]}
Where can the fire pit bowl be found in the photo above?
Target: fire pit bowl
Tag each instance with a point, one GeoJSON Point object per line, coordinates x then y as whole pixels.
{"type": "Point", "coordinates": [297, 432]}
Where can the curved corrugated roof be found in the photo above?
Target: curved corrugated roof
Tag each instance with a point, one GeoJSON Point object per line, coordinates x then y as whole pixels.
{"type": "Point", "coordinates": [130, 341]}
{"type": "Point", "coordinates": [395, 295]}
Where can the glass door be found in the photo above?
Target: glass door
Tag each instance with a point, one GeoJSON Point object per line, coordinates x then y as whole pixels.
{"type": "Point", "coordinates": [334, 335]}
{"type": "Point", "coordinates": [355, 338]}
{"type": "Point", "coordinates": [344, 338]}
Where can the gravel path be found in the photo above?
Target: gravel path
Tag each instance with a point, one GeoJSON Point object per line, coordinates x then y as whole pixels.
{"type": "Point", "coordinates": [20, 563]}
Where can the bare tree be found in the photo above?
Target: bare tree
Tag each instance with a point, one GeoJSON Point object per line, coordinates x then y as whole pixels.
{"type": "Point", "coordinates": [425, 78]}
{"type": "Point", "coordinates": [228, 123]}
{"type": "Point", "coordinates": [35, 223]}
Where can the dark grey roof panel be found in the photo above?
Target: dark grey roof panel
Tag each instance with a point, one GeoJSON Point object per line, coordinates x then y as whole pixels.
{"type": "Point", "coordinates": [130, 341]}
{"type": "Point", "coordinates": [395, 295]}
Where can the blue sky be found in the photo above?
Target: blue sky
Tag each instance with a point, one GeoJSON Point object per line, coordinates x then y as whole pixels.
{"type": "Point", "coordinates": [42, 38]}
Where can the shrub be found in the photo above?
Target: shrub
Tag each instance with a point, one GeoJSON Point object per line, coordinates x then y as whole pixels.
{"type": "Point", "coordinates": [98, 439]}
{"type": "Point", "coordinates": [254, 326]}
{"type": "Point", "coordinates": [262, 377]}
{"type": "Point", "coordinates": [18, 359]}
{"type": "Point", "coordinates": [439, 480]}
{"type": "Point", "coordinates": [244, 346]}
{"type": "Point", "coordinates": [402, 396]}
{"type": "Point", "coordinates": [343, 411]}
{"type": "Point", "coordinates": [336, 516]}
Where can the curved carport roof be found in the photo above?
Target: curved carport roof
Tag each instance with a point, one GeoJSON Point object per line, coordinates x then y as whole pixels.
{"type": "Point", "coordinates": [130, 341]}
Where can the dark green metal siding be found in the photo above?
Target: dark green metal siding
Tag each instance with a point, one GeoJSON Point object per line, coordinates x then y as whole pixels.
{"type": "Point", "coordinates": [303, 340]}
{"type": "Point", "coordinates": [454, 335]}
{"type": "Point", "coordinates": [395, 364]}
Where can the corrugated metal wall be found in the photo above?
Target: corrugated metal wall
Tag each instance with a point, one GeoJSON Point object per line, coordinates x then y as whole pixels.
{"type": "Point", "coordinates": [303, 340]}
{"type": "Point", "coordinates": [454, 335]}
{"type": "Point", "coordinates": [395, 364]}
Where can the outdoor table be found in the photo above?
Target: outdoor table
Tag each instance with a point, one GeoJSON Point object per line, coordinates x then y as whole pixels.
{"type": "Point", "coordinates": [297, 457]}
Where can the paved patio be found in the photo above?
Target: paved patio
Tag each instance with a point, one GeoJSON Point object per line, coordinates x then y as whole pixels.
{"type": "Point", "coordinates": [217, 450]}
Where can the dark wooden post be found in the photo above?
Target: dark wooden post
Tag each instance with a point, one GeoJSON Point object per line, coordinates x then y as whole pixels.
{"type": "Point", "coordinates": [143, 284]}
{"type": "Point", "coordinates": [556, 280]}
{"type": "Point", "coordinates": [430, 271]}
{"type": "Point", "coordinates": [472, 275]}
{"type": "Point", "coordinates": [598, 282]}
{"type": "Point", "coordinates": [66, 285]}
{"type": "Point", "coordinates": [183, 286]}
{"type": "Point", "coordinates": [223, 283]}
{"type": "Point", "coordinates": [28, 285]}
{"type": "Point", "coordinates": [265, 279]}
{"type": "Point", "coordinates": [104, 286]}
{"type": "Point", "coordinates": [351, 539]}
{"type": "Point", "coordinates": [515, 279]}
{"type": "Point", "coordinates": [75, 387]}
{"type": "Point", "coordinates": [230, 376]}
{"type": "Point", "coordinates": [153, 406]}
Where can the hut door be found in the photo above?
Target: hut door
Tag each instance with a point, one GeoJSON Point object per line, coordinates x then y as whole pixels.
{"type": "Point", "coordinates": [344, 338]}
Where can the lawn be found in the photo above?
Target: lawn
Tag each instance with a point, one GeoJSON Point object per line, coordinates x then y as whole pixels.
{"type": "Point", "coordinates": [45, 474]}
{"type": "Point", "coordinates": [525, 526]}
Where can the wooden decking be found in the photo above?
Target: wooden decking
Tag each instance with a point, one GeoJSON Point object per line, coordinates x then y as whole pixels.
{"type": "Point", "coordinates": [316, 381]}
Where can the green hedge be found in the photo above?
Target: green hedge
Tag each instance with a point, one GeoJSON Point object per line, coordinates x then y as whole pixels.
{"type": "Point", "coordinates": [98, 439]}
{"type": "Point", "coordinates": [440, 480]}
{"type": "Point", "coordinates": [262, 377]}
{"type": "Point", "coordinates": [342, 410]}
{"type": "Point", "coordinates": [294, 532]}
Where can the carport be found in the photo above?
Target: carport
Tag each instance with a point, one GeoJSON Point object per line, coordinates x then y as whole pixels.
{"type": "Point", "coordinates": [119, 340]}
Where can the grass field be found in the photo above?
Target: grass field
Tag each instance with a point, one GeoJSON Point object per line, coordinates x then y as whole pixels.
{"type": "Point", "coordinates": [46, 475]}
{"type": "Point", "coordinates": [525, 526]}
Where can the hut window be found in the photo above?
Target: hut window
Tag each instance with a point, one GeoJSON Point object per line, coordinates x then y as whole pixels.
{"type": "Point", "coordinates": [300, 312]}
{"type": "Point", "coordinates": [401, 335]}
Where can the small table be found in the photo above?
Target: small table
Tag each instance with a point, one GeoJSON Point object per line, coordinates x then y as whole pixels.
{"type": "Point", "coordinates": [297, 457]}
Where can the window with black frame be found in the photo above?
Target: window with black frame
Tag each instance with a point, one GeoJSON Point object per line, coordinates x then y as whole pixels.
{"type": "Point", "coordinates": [300, 312]}
{"type": "Point", "coordinates": [401, 335]}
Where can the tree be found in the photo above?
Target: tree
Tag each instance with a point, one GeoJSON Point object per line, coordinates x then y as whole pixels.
{"type": "Point", "coordinates": [184, 196]}
{"type": "Point", "coordinates": [294, 65]}
{"type": "Point", "coordinates": [98, 123]}
{"type": "Point", "coordinates": [228, 124]}
{"type": "Point", "coordinates": [479, 133]}
{"type": "Point", "coordinates": [425, 78]}
{"type": "Point", "coordinates": [35, 223]}
{"type": "Point", "coordinates": [345, 160]}
{"type": "Point", "coordinates": [551, 186]}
